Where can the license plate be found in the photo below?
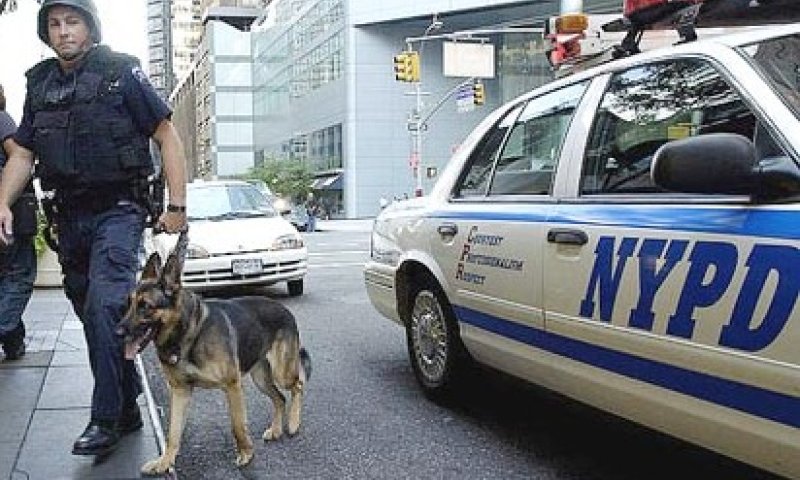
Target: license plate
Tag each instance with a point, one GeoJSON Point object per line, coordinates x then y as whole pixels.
{"type": "Point", "coordinates": [247, 266]}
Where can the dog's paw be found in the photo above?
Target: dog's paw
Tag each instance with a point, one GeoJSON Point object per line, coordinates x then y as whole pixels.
{"type": "Point", "coordinates": [272, 433]}
{"type": "Point", "coordinates": [158, 466]}
{"type": "Point", "coordinates": [243, 457]}
{"type": "Point", "coordinates": [294, 427]}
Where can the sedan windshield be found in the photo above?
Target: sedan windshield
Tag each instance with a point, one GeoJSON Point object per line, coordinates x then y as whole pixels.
{"type": "Point", "coordinates": [779, 59]}
{"type": "Point", "coordinates": [221, 202]}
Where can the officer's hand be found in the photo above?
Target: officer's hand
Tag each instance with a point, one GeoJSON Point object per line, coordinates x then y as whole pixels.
{"type": "Point", "coordinates": [172, 222]}
{"type": "Point", "coordinates": [6, 231]}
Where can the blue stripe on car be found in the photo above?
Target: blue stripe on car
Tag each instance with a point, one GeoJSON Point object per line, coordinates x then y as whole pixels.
{"type": "Point", "coordinates": [775, 406]}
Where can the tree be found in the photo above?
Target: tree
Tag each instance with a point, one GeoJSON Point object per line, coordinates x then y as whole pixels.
{"type": "Point", "coordinates": [286, 178]}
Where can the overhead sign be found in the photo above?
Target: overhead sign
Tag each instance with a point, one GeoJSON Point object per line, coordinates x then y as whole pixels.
{"type": "Point", "coordinates": [467, 59]}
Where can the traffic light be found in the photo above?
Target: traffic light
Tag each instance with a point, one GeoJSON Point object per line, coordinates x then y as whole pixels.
{"type": "Point", "coordinates": [414, 67]}
{"type": "Point", "coordinates": [478, 93]}
{"type": "Point", "coordinates": [401, 67]}
{"type": "Point", "coordinates": [406, 67]}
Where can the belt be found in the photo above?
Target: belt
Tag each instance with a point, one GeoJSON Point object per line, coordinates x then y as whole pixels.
{"type": "Point", "coordinates": [91, 203]}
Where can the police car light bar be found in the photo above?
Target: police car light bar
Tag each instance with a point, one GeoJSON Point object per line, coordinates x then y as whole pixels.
{"type": "Point", "coordinates": [576, 38]}
{"type": "Point", "coordinates": [643, 12]}
{"type": "Point", "coordinates": [684, 16]}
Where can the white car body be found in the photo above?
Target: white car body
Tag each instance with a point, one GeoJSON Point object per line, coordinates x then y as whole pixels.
{"type": "Point", "coordinates": [658, 307]}
{"type": "Point", "coordinates": [245, 244]}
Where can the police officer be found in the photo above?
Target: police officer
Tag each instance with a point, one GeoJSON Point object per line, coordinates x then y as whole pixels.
{"type": "Point", "coordinates": [17, 261]}
{"type": "Point", "coordinates": [88, 116]}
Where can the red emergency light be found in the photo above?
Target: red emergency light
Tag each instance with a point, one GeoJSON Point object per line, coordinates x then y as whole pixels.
{"type": "Point", "coordinates": [648, 11]}
{"type": "Point", "coordinates": [563, 48]}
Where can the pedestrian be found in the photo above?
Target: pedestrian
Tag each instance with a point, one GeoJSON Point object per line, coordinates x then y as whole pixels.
{"type": "Point", "coordinates": [312, 210]}
{"type": "Point", "coordinates": [88, 117]}
{"type": "Point", "coordinates": [17, 260]}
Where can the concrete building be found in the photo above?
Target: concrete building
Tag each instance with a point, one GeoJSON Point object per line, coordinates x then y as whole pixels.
{"type": "Point", "coordinates": [213, 103]}
{"type": "Point", "coordinates": [159, 39]}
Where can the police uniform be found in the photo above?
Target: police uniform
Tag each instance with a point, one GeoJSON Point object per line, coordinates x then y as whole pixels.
{"type": "Point", "coordinates": [90, 130]}
{"type": "Point", "coordinates": [17, 261]}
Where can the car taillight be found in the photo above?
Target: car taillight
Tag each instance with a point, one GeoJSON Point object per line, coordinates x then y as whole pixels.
{"type": "Point", "coordinates": [646, 11]}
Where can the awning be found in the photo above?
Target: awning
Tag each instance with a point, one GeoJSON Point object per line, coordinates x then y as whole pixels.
{"type": "Point", "coordinates": [328, 182]}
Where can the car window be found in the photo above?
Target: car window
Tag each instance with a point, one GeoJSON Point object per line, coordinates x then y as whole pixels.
{"type": "Point", "coordinates": [229, 201]}
{"type": "Point", "coordinates": [779, 59]}
{"type": "Point", "coordinates": [475, 181]}
{"type": "Point", "coordinates": [647, 106]}
{"type": "Point", "coordinates": [519, 154]}
{"type": "Point", "coordinates": [528, 159]}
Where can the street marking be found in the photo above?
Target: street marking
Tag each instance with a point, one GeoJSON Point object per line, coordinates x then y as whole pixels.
{"type": "Point", "coordinates": [341, 252]}
{"type": "Point", "coordinates": [336, 265]}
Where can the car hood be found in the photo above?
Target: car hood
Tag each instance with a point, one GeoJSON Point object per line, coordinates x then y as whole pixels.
{"type": "Point", "coordinates": [227, 236]}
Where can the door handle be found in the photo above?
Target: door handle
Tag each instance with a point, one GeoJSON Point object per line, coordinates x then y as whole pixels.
{"type": "Point", "coordinates": [447, 229]}
{"type": "Point", "coordinates": [567, 236]}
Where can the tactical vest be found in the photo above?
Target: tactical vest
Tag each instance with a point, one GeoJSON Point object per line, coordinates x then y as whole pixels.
{"type": "Point", "coordinates": [84, 136]}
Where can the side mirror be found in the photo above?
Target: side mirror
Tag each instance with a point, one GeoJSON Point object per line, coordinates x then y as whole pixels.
{"type": "Point", "coordinates": [720, 163]}
{"type": "Point", "coordinates": [724, 163]}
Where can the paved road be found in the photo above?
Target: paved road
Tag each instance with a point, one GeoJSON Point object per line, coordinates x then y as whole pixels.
{"type": "Point", "coordinates": [365, 418]}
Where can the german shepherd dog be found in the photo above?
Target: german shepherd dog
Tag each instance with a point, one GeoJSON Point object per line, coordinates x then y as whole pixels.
{"type": "Point", "coordinates": [214, 344]}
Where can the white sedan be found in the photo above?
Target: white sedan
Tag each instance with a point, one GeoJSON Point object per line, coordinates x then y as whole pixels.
{"type": "Point", "coordinates": [236, 238]}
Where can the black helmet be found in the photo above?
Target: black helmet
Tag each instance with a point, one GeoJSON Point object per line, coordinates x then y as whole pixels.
{"type": "Point", "coordinates": [86, 7]}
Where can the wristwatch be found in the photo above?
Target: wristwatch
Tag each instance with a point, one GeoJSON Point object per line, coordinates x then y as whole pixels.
{"type": "Point", "coordinates": [176, 208]}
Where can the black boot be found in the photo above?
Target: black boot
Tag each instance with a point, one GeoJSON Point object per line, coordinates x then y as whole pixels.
{"type": "Point", "coordinates": [99, 438]}
{"type": "Point", "coordinates": [14, 343]}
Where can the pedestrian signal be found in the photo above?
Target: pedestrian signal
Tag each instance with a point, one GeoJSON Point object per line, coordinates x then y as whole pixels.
{"type": "Point", "coordinates": [406, 67]}
{"type": "Point", "coordinates": [478, 94]}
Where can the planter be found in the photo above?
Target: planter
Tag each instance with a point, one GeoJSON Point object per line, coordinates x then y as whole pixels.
{"type": "Point", "coordinates": [48, 270]}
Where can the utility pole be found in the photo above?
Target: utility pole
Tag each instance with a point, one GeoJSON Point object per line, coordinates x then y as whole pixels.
{"type": "Point", "coordinates": [416, 123]}
{"type": "Point", "coordinates": [415, 126]}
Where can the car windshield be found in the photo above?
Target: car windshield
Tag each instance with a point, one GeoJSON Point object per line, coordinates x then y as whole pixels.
{"type": "Point", "coordinates": [779, 60]}
{"type": "Point", "coordinates": [220, 202]}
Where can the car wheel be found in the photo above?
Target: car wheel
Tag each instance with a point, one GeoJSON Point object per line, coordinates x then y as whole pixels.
{"type": "Point", "coordinates": [295, 287]}
{"type": "Point", "coordinates": [438, 356]}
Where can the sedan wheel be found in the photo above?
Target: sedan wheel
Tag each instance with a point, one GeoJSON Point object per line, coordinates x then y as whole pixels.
{"type": "Point", "coordinates": [434, 346]}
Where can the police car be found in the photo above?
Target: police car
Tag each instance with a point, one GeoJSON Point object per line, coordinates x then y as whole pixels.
{"type": "Point", "coordinates": [628, 236]}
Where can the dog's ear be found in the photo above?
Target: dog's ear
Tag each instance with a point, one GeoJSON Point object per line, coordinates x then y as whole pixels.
{"type": "Point", "coordinates": [152, 269]}
{"type": "Point", "coordinates": [171, 276]}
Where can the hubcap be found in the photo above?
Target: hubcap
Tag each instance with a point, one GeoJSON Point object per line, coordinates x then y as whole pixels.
{"type": "Point", "coordinates": [429, 336]}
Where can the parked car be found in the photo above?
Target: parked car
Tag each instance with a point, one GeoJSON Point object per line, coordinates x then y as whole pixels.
{"type": "Point", "coordinates": [236, 238]}
{"type": "Point", "coordinates": [628, 236]}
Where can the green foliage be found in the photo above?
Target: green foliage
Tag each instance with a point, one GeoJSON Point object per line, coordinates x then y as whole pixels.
{"type": "Point", "coordinates": [286, 178]}
{"type": "Point", "coordinates": [38, 240]}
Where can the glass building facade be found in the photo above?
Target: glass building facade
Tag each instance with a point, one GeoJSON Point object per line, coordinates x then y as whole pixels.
{"type": "Point", "coordinates": [323, 91]}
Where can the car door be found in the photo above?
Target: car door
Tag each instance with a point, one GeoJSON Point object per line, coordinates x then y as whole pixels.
{"type": "Point", "coordinates": [490, 231]}
{"type": "Point", "coordinates": [666, 307]}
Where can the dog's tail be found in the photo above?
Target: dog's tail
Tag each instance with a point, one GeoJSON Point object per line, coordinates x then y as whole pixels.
{"type": "Point", "coordinates": [305, 362]}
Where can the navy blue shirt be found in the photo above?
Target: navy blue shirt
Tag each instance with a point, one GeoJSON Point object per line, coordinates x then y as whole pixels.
{"type": "Point", "coordinates": [142, 102]}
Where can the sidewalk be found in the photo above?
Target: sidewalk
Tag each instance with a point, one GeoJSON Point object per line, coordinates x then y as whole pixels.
{"type": "Point", "coordinates": [45, 396]}
{"type": "Point", "coordinates": [45, 399]}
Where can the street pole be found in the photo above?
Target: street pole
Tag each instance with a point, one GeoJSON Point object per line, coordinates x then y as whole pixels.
{"type": "Point", "coordinates": [416, 141]}
{"type": "Point", "coordinates": [417, 122]}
